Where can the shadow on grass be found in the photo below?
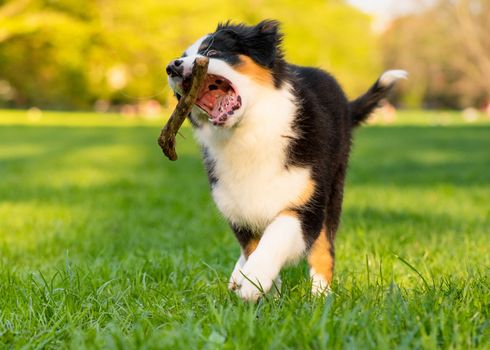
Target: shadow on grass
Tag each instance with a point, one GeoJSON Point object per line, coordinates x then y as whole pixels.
{"type": "Point", "coordinates": [126, 197]}
{"type": "Point", "coordinates": [421, 156]}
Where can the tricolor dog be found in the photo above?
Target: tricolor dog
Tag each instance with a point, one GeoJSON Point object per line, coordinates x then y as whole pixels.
{"type": "Point", "coordinates": [275, 138]}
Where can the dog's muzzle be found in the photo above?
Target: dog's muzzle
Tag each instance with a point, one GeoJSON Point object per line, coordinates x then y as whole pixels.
{"type": "Point", "coordinates": [175, 69]}
{"type": "Point", "coordinates": [218, 98]}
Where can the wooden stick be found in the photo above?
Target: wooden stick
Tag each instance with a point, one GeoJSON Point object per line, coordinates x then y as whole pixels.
{"type": "Point", "coordinates": [183, 108]}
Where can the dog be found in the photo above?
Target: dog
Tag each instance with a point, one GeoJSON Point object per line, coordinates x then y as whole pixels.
{"type": "Point", "coordinates": [275, 140]}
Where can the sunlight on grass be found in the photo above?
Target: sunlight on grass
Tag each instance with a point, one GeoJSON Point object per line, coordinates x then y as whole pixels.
{"type": "Point", "coordinates": [20, 151]}
{"type": "Point", "coordinates": [103, 241]}
{"type": "Point", "coordinates": [78, 119]}
{"type": "Point", "coordinates": [33, 230]}
{"type": "Point", "coordinates": [88, 119]}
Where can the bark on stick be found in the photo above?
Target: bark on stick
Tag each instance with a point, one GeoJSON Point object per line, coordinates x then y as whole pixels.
{"type": "Point", "coordinates": [183, 108]}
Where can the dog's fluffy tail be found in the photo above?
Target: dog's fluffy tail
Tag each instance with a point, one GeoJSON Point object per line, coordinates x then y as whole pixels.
{"type": "Point", "coordinates": [361, 107]}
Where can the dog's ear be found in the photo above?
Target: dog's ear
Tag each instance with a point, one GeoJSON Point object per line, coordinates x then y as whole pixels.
{"type": "Point", "coordinates": [264, 43]}
{"type": "Point", "coordinates": [268, 26]}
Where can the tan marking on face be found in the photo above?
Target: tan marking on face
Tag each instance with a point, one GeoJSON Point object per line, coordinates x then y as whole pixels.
{"type": "Point", "coordinates": [320, 257]}
{"type": "Point", "coordinates": [250, 247]}
{"type": "Point", "coordinates": [255, 71]}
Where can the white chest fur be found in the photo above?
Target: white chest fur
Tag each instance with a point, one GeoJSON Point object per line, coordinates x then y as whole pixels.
{"type": "Point", "coordinates": [254, 185]}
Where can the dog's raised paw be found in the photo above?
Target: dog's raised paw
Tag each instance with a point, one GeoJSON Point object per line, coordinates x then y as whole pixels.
{"type": "Point", "coordinates": [253, 289]}
{"type": "Point", "coordinates": [252, 285]}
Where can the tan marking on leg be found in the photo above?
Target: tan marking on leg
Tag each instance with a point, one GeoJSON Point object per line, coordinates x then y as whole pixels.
{"type": "Point", "coordinates": [289, 212]}
{"type": "Point", "coordinates": [250, 247]}
{"type": "Point", "coordinates": [320, 258]}
{"type": "Point", "coordinates": [258, 73]}
{"type": "Point", "coordinates": [307, 193]}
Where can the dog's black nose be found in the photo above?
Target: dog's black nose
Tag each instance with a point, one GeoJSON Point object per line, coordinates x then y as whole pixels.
{"type": "Point", "coordinates": [175, 68]}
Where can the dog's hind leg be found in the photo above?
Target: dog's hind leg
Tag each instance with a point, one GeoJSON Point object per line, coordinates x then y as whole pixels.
{"type": "Point", "coordinates": [321, 256]}
{"type": "Point", "coordinates": [321, 261]}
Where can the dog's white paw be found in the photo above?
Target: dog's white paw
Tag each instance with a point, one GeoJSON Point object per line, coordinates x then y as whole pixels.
{"type": "Point", "coordinates": [253, 287]}
{"type": "Point", "coordinates": [255, 280]}
{"type": "Point", "coordinates": [319, 285]}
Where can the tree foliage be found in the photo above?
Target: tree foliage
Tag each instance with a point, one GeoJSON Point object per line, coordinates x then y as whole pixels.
{"type": "Point", "coordinates": [70, 53]}
{"type": "Point", "coordinates": [447, 52]}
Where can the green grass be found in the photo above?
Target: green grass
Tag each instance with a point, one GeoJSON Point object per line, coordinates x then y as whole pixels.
{"type": "Point", "coordinates": [106, 244]}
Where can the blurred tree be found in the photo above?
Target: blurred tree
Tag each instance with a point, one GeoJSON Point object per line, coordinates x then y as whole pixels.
{"type": "Point", "coordinates": [447, 52]}
{"type": "Point", "coordinates": [71, 53]}
{"type": "Point", "coordinates": [43, 65]}
{"type": "Point", "coordinates": [473, 18]}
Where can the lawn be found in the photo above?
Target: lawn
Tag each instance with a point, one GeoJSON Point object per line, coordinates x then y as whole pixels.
{"type": "Point", "coordinates": [106, 244]}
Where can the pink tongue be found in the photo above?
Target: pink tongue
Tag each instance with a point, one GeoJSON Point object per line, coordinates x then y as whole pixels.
{"type": "Point", "coordinates": [223, 107]}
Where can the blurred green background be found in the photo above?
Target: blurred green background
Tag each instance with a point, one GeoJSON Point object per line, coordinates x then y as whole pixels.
{"type": "Point", "coordinates": [106, 244]}
{"type": "Point", "coordinates": [110, 55]}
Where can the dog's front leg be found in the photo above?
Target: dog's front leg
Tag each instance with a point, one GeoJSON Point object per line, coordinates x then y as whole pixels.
{"type": "Point", "coordinates": [237, 272]}
{"type": "Point", "coordinates": [281, 243]}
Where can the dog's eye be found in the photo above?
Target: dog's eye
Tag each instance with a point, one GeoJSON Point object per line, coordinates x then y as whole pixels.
{"type": "Point", "coordinates": [211, 53]}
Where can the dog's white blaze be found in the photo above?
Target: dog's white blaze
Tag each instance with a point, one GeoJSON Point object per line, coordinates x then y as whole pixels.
{"type": "Point", "coordinates": [281, 243]}
{"type": "Point", "coordinates": [319, 285]}
{"type": "Point", "coordinates": [391, 76]}
{"type": "Point", "coordinates": [190, 55]}
{"type": "Point", "coordinates": [254, 185]}
{"type": "Point", "coordinates": [194, 48]}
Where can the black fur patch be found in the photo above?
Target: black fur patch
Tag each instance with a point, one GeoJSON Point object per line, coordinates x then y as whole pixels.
{"type": "Point", "coordinates": [323, 126]}
{"type": "Point", "coordinates": [209, 164]}
{"type": "Point", "coordinates": [243, 234]}
{"type": "Point", "coordinates": [262, 43]}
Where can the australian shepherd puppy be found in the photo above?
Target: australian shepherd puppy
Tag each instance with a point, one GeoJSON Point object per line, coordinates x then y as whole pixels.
{"type": "Point", "coordinates": [275, 138]}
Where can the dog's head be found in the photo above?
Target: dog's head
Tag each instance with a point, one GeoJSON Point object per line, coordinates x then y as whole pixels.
{"type": "Point", "coordinates": [243, 60]}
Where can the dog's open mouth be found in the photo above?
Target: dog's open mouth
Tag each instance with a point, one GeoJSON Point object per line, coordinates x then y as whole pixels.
{"type": "Point", "coordinates": [219, 99]}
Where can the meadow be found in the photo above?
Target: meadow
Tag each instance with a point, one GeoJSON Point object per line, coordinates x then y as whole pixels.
{"type": "Point", "coordinates": [104, 243]}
